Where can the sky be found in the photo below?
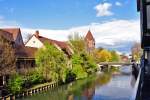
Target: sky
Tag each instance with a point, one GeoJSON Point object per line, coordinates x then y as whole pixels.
{"type": "Point", "coordinates": [112, 22]}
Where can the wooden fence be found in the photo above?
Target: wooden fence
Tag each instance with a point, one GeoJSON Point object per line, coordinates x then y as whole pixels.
{"type": "Point", "coordinates": [30, 92]}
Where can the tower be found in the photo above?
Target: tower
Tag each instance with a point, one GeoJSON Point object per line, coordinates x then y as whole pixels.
{"type": "Point", "coordinates": [90, 42]}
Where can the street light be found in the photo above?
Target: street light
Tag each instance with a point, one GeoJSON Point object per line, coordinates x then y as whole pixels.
{"type": "Point", "coordinates": [144, 8]}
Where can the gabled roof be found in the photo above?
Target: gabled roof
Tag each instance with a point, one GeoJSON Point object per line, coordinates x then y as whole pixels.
{"type": "Point", "coordinates": [63, 45]}
{"type": "Point", "coordinates": [6, 35]}
{"type": "Point", "coordinates": [13, 31]}
{"type": "Point", "coordinates": [89, 36]}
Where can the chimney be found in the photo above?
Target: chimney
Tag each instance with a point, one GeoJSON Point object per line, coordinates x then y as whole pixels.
{"type": "Point", "coordinates": [36, 33]}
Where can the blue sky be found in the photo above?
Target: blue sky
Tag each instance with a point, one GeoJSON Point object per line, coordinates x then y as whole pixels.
{"type": "Point", "coordinates": [62, 14]}
{"type": "Point", "coordinates": [114, 23]}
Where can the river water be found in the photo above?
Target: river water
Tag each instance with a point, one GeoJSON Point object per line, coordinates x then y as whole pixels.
{"type": "Point", "coordinates": [106, 85]}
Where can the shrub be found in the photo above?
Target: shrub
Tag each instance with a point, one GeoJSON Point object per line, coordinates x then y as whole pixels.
{"type": "Point", "coordinates": [79, 72]}
{"type": "Point", "coordinates": [15, 84]}
{"type": "Point", "coordinates": [70, 76]}
{"type": "Point", "coordinates": [36, 78]}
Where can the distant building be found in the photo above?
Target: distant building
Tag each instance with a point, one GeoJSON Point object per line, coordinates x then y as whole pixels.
{"type": "Point", "coordinates": [90, 42]}
{"type": "Point", "coordinates": [124, 58]}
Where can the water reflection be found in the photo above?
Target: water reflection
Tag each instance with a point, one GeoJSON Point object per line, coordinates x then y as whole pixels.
{"type": "Point", "coordinates": [107, 85]}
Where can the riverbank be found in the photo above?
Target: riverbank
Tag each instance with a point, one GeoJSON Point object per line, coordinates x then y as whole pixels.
{"type": "Point", "coordinates": [39, 88]}
{"type": "Point", "coordinates": [36, 89]}
{"type": "Point", "coordinates": [104, 86]}
{"type": "Point", "coordinates": [31, 91]}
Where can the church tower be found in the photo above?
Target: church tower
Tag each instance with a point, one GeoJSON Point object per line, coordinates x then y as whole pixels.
{"type": "Point", "coordinates": [90, 42]}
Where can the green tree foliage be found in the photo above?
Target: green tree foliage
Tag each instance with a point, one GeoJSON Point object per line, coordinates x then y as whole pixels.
{"type": "Point", "coordinates": [15, 83]}
{"type": "Point", "coordinates": [115, 56]}
{"type": "Point", "coordinates": [79, 72]}
{"type": "Point", "coordinates": [83, 64]}
{"type": "Point", "coordinates": [77, 69]}
{"type": "Point", "coordinates": [77, 43]}
{"type": "Point", "coordinates": [32, 78]}
{"type": "Point", "coordinates": [52, 63]}
{"type": "Point", "coordinates": [89, 63]}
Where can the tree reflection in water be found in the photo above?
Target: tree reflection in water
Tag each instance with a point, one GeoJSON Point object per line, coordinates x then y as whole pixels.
{"type": "Point", "coordinates": [83, 89]}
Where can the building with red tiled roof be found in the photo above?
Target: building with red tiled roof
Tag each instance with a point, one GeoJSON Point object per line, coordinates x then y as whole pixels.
{"type": "Point", "coordinates": [89, 41]}
{"type": "Point", "coordinates": [6, 35]}
{"type": "Point", "coordinates": [23, 54]}
{"type": "Point", "coordinates": [124, 58]}
{"type": "Point", "coordinates": [38, 41]}
{"type": "Point", "coordinates": [16, 34]}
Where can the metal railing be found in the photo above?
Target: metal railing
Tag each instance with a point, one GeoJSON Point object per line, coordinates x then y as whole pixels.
{"type": "Point", "coordinates": [138, 85]}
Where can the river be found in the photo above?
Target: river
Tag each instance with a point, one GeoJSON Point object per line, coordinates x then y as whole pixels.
{"type": "Point", "coordinates": [106, 85]}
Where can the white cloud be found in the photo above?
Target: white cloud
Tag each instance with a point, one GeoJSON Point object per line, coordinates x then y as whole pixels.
{"type": "Point", "coordinates": [118, 3]}
{"type": "Point", "coordinates": [103, 9]}
{"type": "Point", "coordinates": [109, 33]}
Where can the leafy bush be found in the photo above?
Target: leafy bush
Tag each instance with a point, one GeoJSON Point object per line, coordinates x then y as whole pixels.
{"type": "Point", "coordinates": [79, 72]}
{"type": "Point", "coordinates": [15, 83]}
{"type": "Point", "coordinates": [52, 63]}
{"type": "Point", "coordinates": [36, 78]}
{"type": "Point", "coordinates": [70, 76]}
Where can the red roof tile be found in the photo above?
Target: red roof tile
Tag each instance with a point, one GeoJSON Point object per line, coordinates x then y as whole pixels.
{"type": "Point", "coordinates": [89, 36]}
{"type": "Point", "coordinates": [13, 31]}
{"type": "Point", "coordinates": [25, 52]}
{"type": "Point", "coordinates": [6, 35]}
{"type": "Point", "coordinates": [63, 45]}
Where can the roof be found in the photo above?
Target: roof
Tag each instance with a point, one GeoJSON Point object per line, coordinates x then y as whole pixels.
{"type": "Point", "coordinates": [89, 36]}
{"type": "Point", "coordinates": [6, 35]}
{"type": "Point", "coordinates": [13, 31]}
{"type": "Point", "coordinates": [25, 52]}
{"type": "Point", "coordinates": [63, 45]}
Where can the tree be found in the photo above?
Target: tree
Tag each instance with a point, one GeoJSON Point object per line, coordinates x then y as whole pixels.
{"type": "Point", "coordinates": [52, 63]}
{"type": "Point", "coordinates": [83, 64]}
{"type": "Point", "coordinates": [115, 56]}
{"type": "Point", "coordinates": [104, 56]}
{"type": "Point", "coordinates": [77, 43]}
{"type": "Point", "coordinates": [100, 49]}
{"type": "Point", "coordinates": [28, 36]}
{"type": "Point", "coordinates": [136, 51]}
{"type": "Point", "coordinates": [15, 83]}
{"type": "Point", "coordinates": [7, 57]}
